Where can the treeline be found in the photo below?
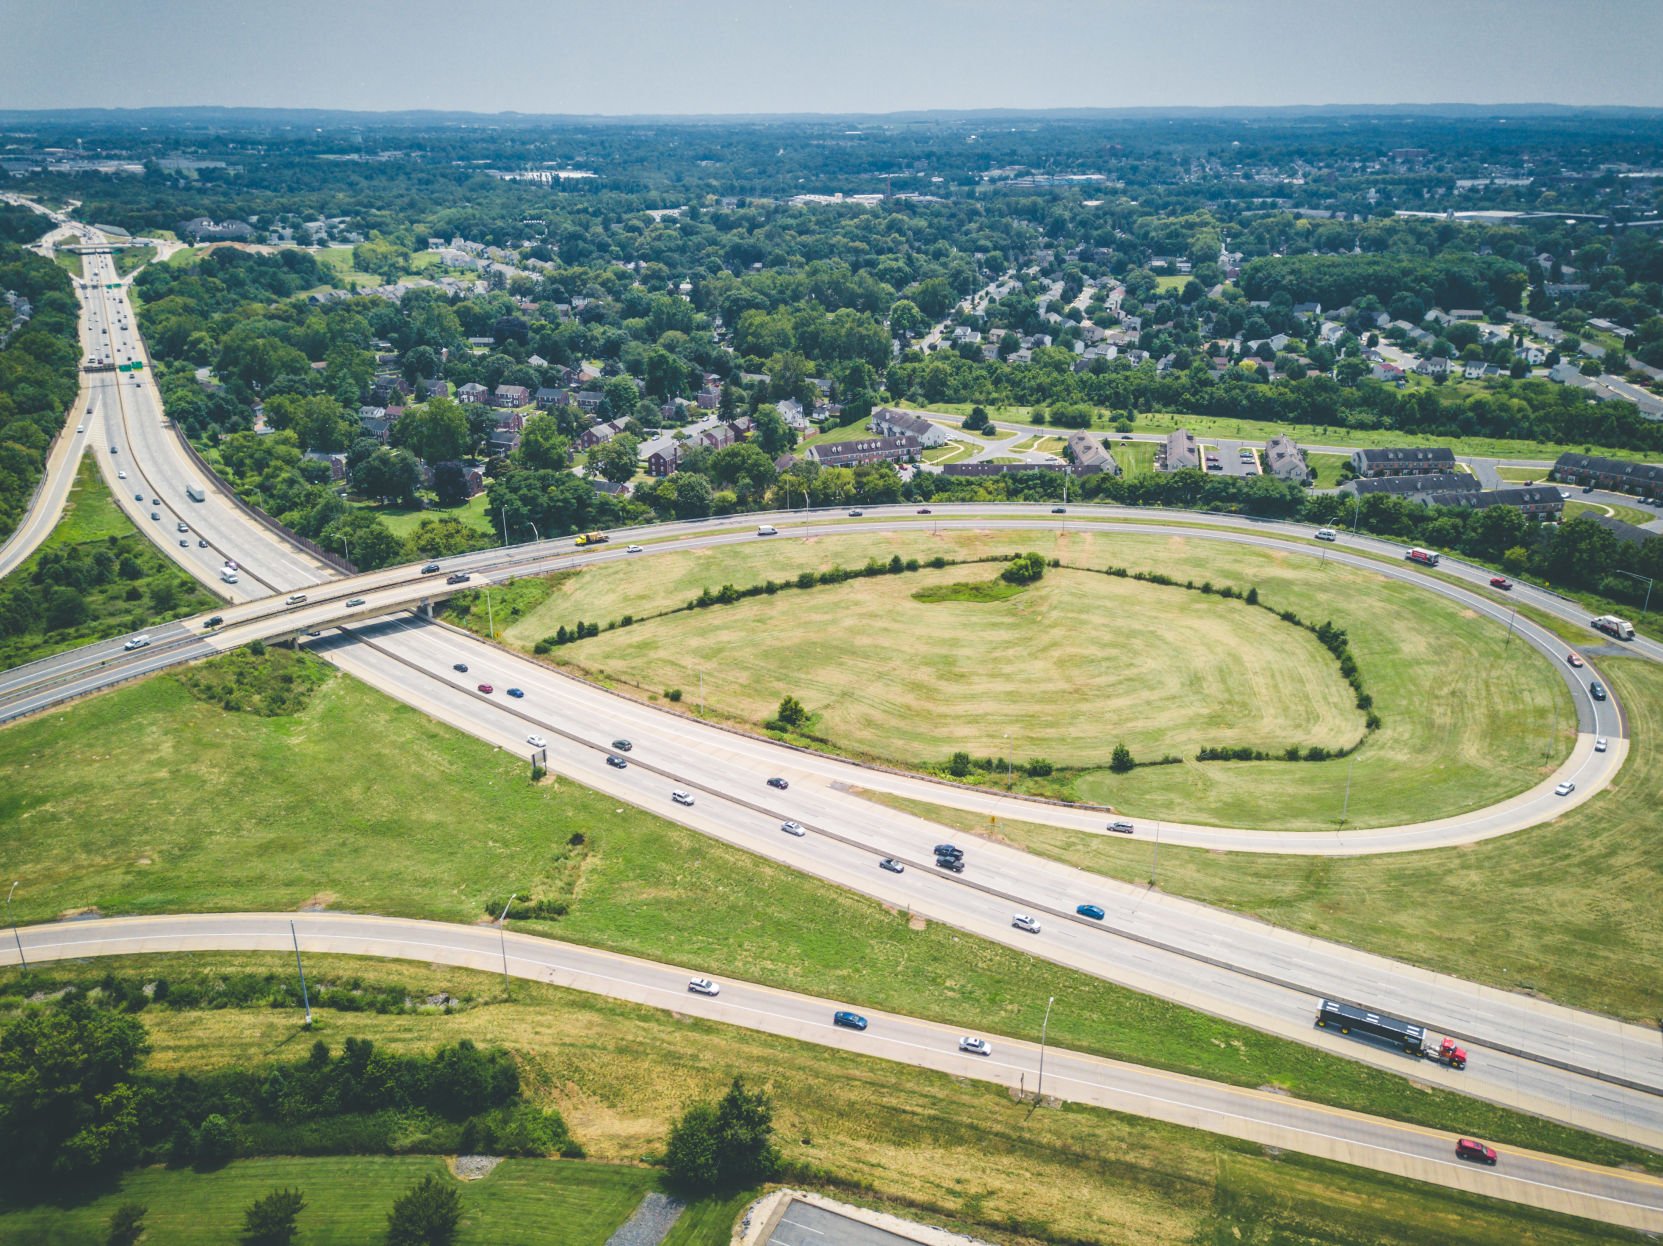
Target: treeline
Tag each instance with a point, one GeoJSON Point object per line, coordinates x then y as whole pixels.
{"type": "Point", "coordinates": [38, 378]}
{"type": "Point", "coordinates": [22, 225]}
{"type": "Point", "coordinates": [74, 1101]}
{"type": "Point", "coordinates": [1450, 279]}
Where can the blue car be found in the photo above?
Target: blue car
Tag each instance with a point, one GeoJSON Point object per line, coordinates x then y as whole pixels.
{"type": "Point", "coordinates": [1093, 911]}
{"type": "Point", "coordinates": [849, 1020]}
{"type": "Point", "coordinates": [515, 692]}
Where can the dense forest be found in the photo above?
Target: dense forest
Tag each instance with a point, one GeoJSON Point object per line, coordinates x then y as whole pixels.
{"type": "Point", "coordinates": [39, 357]}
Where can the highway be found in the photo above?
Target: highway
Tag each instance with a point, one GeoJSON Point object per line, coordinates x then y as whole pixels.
{"type": "Point", "coordinates": [1586, 1070]}
{"type": "Point", "coordinates": [1538, 1180]}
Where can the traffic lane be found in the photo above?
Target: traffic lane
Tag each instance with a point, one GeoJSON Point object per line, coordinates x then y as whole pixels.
{"type": "Point", "coordinates": [1272, 1119]}
{"type": "Point", "coordinates": [1157, 970]}
{"type": "Point", "coordinates": [804, 1224]}
{"type": "Point", "coordinates": [147, 662]}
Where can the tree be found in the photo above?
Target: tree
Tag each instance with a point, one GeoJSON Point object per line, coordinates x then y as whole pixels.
{"type": "Point", "coordinates": [270, 1221]}
{"type": "Point", "coordinates": [906, 320]}
{"type": "Point", "coordinates": [773, 434]}
{"type": "Point", "coordinates": [727, 1145]}
{"type": "Point", "coordinates": [1121, 761]}
{"type": "Point", "coordinates": [1024, 569]}
{"type": "Point", "coordinates": [216, 1140]}
{"type": "Point", "coordinates": [616, 459]}
{"type": "Point", "coordinates": [420, 363]}
{"type": "Point", "coordinates": [450, 482]}
{"type": "Point", "coordinates": [425, 1215]}
{"type": "Point", "coordinates": [690, 1154]}
{"type": "Point", "coordinates": [543, 446]}
{"type": "Point", "coordinates": [388, 475]}
{"type": "Point", "coordinates": [126, 1225]}
{"type": "Point", "coordinates": [435, 431]}
{"type": "Point", "coordinates": [791, 712]}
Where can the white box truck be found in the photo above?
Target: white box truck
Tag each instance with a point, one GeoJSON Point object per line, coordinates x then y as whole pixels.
{"type": "Point", "coordinates": [195, 494]}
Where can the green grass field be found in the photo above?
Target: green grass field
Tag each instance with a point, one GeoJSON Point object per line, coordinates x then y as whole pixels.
{"type": "Point", "coordinates": [1171, 281]}
{"type": "Point", "coordinates": [1521, 475]}
{"type": "Point", "coordinates": [1077, 675]}
{"type": "Point", "coordinates": [921, 1145]}
{"type": "Point", "coordinates": [404, 521]}
{"type": "Point", "coordinates": [833, 436]}
{"type": "Point", "coordinates": [69, 261]}
{"type": "Point", "coordinates": [1206, 426]}
{"type": "Point", "coordinates": [129, 258]}
{"type": "Point", "coordinates": [1327, 468]}
{"type": "Point", "coordinates": [1628, 514]}
{"type": "Point", "coordinates": [92, 524]}
{"type": "Point", "coordinates": [347, 1199]}
{"type": "Point", "coordinates": [1134, 457]}
{"type": "Point", "coordinates": [1535, 911]}
{"type": "Point", "coordinates": [96, 823]}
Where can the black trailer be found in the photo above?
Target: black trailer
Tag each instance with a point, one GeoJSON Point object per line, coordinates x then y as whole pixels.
{"type": "Point", "coordinates": [1351, 1020]}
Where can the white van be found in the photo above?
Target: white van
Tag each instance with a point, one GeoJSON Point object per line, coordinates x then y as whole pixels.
{"type": "Point", "coordinates": [294, 599]}
{"type": "Point", "coordinates": [767, 529]}
{"type": "Point", "coordinates": [1327, 534]}
{"type": "Point", "coordinates": [138, 642]}
{"type": "Point", "coordinates": [228, 575]}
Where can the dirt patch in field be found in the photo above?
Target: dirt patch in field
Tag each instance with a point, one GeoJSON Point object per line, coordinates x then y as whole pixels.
{"type": "Point", "coordinates": [319, 902]}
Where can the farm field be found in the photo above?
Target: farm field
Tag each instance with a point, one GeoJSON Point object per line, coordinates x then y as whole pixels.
{"type": "Point", "coordinates": [1431, 757]}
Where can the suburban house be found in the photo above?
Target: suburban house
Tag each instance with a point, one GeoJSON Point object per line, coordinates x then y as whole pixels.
{"type": "Point", "coordinates": [511, 396]}
{"type": "Point", "coordinates": [663, 461]}
{"type": "Point", "coordinates": [590, 400]}
{"type": "Point", "coordinates": [1541, 502]}
{"type": "Point", "coordinates": [1178, 452]}
{"type": "Point", "coordinates": [1402, 461]}
{"type": "Point", "coordinates": [888, 422]}
{"type": "Point", "coordinates": [1404, 486]}
{"type": "Point", "coordinates": [473, 391]}
{"type": "Point", "coordinates": [1089, 455]}
{"type": "Point", "coordinates": [1619, 475]}
{"type": "Point", "coordinates": [866, 450]}
{"type": "Point", "coordinates": [504, 440]}
{"type": "Point", "coordinates": [375, 422]}
{"type": "Point", "coordinates": [1285, 460]}
{"type": "Point", "coordinates": [1627, 533]}
{"type": "Point", "coordinates": [589, 438]}
{"type": "Point", "coordinates": [547, 397]}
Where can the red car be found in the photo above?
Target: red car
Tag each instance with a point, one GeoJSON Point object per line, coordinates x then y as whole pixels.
{"type": "Point", "coordinates": [1477, 1152]}
{"type": "Point", "coordinates": [1573, 659]}
{"type": "Point", "coordinates": [1500, 581]}
{"type": "Point", "coordinates": [486, 688]}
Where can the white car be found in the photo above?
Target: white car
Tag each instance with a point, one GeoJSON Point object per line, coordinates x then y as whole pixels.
{"type": "Point", "coordinates": [354, 601]}
{"type": "Point", "coordinates": [536, 741]}
{"type": "Point", "coordinates": [1600, 745]}
{"type": "Point", "coordinates": [1564, 789]}
{"type": "Point", "coordinates": [975, 1046]}
{"type": "Point", "coordinates": [633, 549]}
{"type": "Point", "coordinates": [122, 475]}
{"type": "Point", "coordinates": [1023, 922]}
{"type": "Point", "coordinates": [80, 428]}
{"type": "Point", "coordinates": [681, 797]}
{"type": "Point", "coordinates": [703, 986]}
{"type": "Point", "coordinates": [793, 828]}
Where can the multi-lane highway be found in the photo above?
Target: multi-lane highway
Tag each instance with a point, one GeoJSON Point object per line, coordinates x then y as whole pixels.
{"type": "Point", "coordinates": [1589, 1071]}
{"type": "Point", "coordinates": [1546, 1181]}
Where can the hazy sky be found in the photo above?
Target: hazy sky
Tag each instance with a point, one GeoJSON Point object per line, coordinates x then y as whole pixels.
{"type": "Point", "coordinates": [726, 56]}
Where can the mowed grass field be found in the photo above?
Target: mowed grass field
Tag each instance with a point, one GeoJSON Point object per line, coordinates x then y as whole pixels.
{"type": "Point", "coordinates": [146, 800]}
{"type": "Point", "coordinates": [1566, 910]}
{"type": "Point", "coordinates": [920, 1144]}
{"type": "Point", "coordinates": [559, 1202]}
{"type": "Point", "coordinates": [1467, 719]}
{"type": "Point", "coordinates": [1048, 668]}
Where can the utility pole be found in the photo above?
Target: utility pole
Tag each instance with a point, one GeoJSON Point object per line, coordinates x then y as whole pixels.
{"type": "Point", "coordinates": [1345, 809]}
{"type": "Point", "coordinates": [502, 937]}
{"type": "Point", "coordinates": [1039, 1088]}
{"type": "Point", "coordinates": [1155, 858]}
{"type": "Point", "coordinates": [305, 1000]}
{"type": "Point", "coordinates": [1510, 619]}
{"type": "Point", "coordinates": [490, 616]}
{"type": "Point", "coordinates": [21, 959]}
{"type": "Point", "coordinates": [1645, 609]}
{"type": "Point", "coordinates": [503, 511]}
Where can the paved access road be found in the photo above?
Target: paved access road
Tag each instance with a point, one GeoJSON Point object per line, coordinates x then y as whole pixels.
{"type": "Point", "coordinates": [1537, 1180]}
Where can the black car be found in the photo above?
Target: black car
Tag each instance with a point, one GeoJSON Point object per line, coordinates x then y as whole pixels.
{"type": "Point", "coordinates": [923, 510]}
{"type": "Point", "coordinates": [856, 514]}
{"type": "Point", "coordinates": [460, 577]}
{"type": "Point", "coordinates": [1597, 690]}
{"type": "Point", "coordinates": [214, 622]}
{"type": "Point", "coordinates": [623, 746]}
{"type": "Point", "coordinates": [949, 850]}
{"type": "Point", "coordinates": [1059, 510]}
{"type": "Point", "coordinates": [460, 666]}
{"type": "Point", "coordinates": [430, 568]}
{"type": "Point", "coordinates": [616, 762]}
{"type": "Point", "coordinates": [953, 865]}
{"type": "Point", "coordinates": [778, 782]}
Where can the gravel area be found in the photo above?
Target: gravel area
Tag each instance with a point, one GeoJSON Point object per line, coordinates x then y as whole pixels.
{"type": "Point", "coordinates": [473, 1167]}
{"type": "Point", "coordinates": [654, 1218]}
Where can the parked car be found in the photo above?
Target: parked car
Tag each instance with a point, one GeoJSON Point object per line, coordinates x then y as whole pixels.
{"type": "Point", "coordinates": [1093, 911]}
{"type": "Point", "coordinates": [1477, 1152]}
{"type": "Point", "coordinates": [975, 1046]}
{"type": "Point", "coordinates": [681, 797]}
{"type": "Point", "coordinates": [778, 782]}
{"type": "Point", "coordinates": [537, 741]}
{"type": "Point", "coordinates": [793, 828]}
{"type": "Point", "coordinates": [1565, 788]}
{"type": "Point", "coordinates": [892, 865]}
{"type": "Point", "coordinates": [849, 1020]}
{"type": "Point", "coordinates": [517, 693]}
{"type": "Point", "coordinates": [616, 762]}
{"type": "Point", "coordinates": [703, 986]}
{"type": "Point", "coordinates": [486, 689]}
{"type": "Point", "coordinates": [1023, 922]}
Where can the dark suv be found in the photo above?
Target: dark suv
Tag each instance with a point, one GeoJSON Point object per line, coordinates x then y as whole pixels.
{"type": "Point", "coordinates": [953, 865]}
{"type": "Point", "coordinates": [949, 850]}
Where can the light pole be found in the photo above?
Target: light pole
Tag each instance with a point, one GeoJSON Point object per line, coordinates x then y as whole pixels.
{"type": "Point", "coordinates": [1345, 809]}
{"type": "Point", "coordinates": [1039, 1088]}
{"type": "Point", "coordinates": [1631, 575]}
{"type": "Point", "coordinates": [305, 999]}
{"type": "Point", "coordinates": [21, 959]}
{"type": "Point", "coordinates": [535, 535]}
{"type": "Point", "coordinates": [1155, 857]}
{"type": "Point", "coordinates": [503, 512]}
{"type": "Point", "coordinates": [502, 937]}
{"type": "Point", "coordinates": [490, 617]}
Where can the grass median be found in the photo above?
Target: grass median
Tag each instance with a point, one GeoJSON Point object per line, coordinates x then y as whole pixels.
{"type": "Point", "coordinates": [147, 800]}
{"type": "Point", "coordinates": [923, 1145]}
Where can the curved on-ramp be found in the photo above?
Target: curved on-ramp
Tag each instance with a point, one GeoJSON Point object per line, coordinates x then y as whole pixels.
{"type": "Point", "coordinates": [1548, 1182]}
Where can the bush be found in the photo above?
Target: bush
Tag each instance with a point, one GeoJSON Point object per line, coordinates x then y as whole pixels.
{"type": "Point", "coordinates": [425, 1215]}
{"type": "Point", "coordinates": [270, 1221]}
{"type": "Point", "coordinates": [1024, 569]}
{"type": "Point", "coordinates": [727, 1145]}
{"type": "Point", "coordinates": [126, 1225]}
{"type": "Point", "coordinates": [1038, 768]}
{"type": "Point", "coordinates": [1121, 761]}
{"type": "Point", "coordinates": [958, 765]}
{"type": "Point", "coordinates": [216, 1140]}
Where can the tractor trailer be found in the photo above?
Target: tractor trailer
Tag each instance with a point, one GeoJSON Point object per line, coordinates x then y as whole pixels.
{"type": "Point", "coordinates": [1404, 1035]}
{"type": "Point", "coordinates": [591, 538]}
{"type": "Point", "coordinates": [1423, 556]}
{"type": "Point", "coordinates": [1611, 625]}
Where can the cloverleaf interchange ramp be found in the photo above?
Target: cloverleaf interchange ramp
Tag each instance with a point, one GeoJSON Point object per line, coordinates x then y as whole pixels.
{"type": "Point", "coordinates": [1589, 1071]}
{"type": "Point", "coordinates": [1549, 1182]}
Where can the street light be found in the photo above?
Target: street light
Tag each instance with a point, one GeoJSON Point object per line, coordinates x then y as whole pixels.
{"type": "Point", "coordinates": [502, 936]}
{"type": "Point", "coordinates": [21, 960]}
{"type": "Point", "coordinates": [1039, 1089]}
{"type": "Point", "coordinates": [1631, 575]}
{"type": "Point", "coordinates": [305, 999]}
